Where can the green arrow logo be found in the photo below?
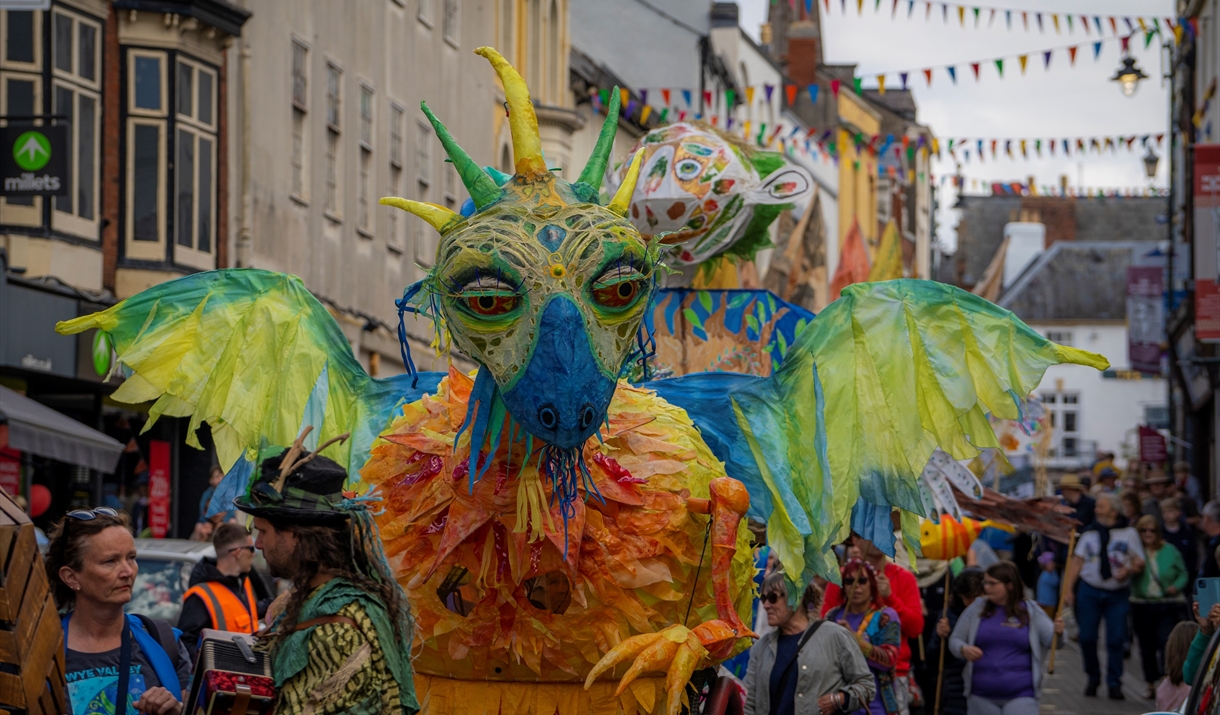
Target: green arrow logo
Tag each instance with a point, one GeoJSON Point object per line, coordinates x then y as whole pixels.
{"type": "Point", "coordinates": [32, 151]}
{"type": "Point", "coordinates": [102, 351]}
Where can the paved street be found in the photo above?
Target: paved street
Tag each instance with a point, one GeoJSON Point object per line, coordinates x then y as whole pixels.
{"type": "Point", "coordinates": [1063, 692]}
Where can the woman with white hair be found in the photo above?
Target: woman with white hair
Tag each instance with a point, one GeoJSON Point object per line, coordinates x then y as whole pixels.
{"type": "Point", "coordinates": [1106, 559]}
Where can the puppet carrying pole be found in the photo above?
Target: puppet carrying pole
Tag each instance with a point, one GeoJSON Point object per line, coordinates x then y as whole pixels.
{"type": "Point", "coordinates": [1050, 668]}
{"type": "Point", "coordinates": [944, 642]}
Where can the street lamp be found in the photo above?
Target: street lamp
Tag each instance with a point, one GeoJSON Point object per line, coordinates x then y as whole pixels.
{"type": "Point", "coordinates": [1150, 162]}
{"type": "Point", "coordinates": [1128, 76]}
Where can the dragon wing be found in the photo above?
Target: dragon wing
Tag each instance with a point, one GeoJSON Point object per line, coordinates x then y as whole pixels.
{"type": "Point", "coordinates": [256, 356]}
{"type": "Point", "coordinates": [841, 432]}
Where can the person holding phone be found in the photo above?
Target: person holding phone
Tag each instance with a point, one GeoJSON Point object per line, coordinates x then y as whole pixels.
{"type": "Point", "coordinates": [1106, 559]}
{"type": "Point", "coordinates": [803, 667]}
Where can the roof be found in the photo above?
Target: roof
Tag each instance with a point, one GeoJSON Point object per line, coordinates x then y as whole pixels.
{"type": "Point", "coordinates": [222, 15]}
{"type": "Point", "coordinates": [1076, 280]}
{"type": "Point", "coordinates": [38, 429]}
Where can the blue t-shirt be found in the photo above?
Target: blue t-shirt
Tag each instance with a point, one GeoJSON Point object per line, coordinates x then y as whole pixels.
{"type": "Point", "coordinates": [1006, 669]}
{"type": "Point", "coordinates": [1048, 588]}
{"type": "Point", "coordinates": [783, 678]}
{"type": "Point", "coordinates": [93, 679]}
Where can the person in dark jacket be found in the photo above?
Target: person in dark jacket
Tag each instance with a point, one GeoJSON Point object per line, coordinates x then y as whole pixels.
{"type": "Point", "coordinates": [224, 593]}
{"type": "Point", "coordinates": [966, 588]}
{"type": "Point", "coordinates": [1178, 532]}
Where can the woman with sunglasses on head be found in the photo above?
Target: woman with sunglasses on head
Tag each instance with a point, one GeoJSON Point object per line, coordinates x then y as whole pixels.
{"type": "Point", "coordinates": [876, 628]}
{"type": "Point", "coordinates": [115, 663]}
{"type": "Point", "coordinates": [803, 667]}
{"type": "Point", "coordinates": [1157, 600]}
{"type": "Point", "coordinates": [1004, 640]}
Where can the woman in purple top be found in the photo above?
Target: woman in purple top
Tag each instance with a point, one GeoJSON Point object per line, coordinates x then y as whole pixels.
{"type": "Point", "coordinates": [1003, 640]}
{"type": "Point", "coordinates": [875, 627]}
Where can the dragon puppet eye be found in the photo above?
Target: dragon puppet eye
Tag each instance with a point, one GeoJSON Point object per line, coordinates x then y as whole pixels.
{"type": "Point", "coordinates": [490, 297]}
{"type": "Point", "coordinates": [688, 169]}
{"type": "Point", "coordinates": [618, 288]}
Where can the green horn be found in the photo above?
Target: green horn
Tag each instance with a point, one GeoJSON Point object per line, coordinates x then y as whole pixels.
{"type": "Point", "coordinates": [596, 168]}
{"type": "Point", "coordinates": [481, 187]}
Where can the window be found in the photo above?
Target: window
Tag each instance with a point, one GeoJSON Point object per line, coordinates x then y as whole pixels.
{"type": "Point", "coordinates": [425, 254]}
{"type": "Point", "coordinates": [300, 117]}
{"type": "Point", "coordinates": [423, 153]}
{"type": "Point", "coordinates": [147, 154]}
{"type": "Point", "coordinates": [394, 240]}
{"type": "Point", "coordinates": [21, 92]}
{"type": "Point", "coordinates": [449, 22]}
{"type": "Point", "coordinates": [366, 159]}
{"type": "Point", "coordinates": [396, 115]}
{"type": "Point", "coordinates": [554, 78]}
{"type": "Point", "coordinates": [22, 35]}
{"type": "Point", "coordinates": [194, 166]}
{"type": "Point", "coordinates": [334, 77]}
{"type": "Point", "coordinates": [425, 12]}
{"type": "Point", "coordinates": [1063, 337]}
{"type": "Point", "coordinates": [425, 249]}
{"type": "Point", "coordinates": [76, 95]}
{"type": "Point", "coordinates": [533, 41]}
{"type": "Point", "coordinates": [1064, 414]}
{"type": "Point", "coordinates": [450, 187]}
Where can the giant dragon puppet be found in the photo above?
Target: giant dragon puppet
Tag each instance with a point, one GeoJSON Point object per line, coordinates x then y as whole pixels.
{"type": "Point", "coordinates": [570, 542]}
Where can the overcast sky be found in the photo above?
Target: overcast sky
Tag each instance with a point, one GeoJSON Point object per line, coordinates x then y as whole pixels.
{"type": "Point", "coordinates": [1062, 101]}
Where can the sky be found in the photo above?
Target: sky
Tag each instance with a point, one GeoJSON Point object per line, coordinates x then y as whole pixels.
{"type": "Point", "coordinates": [1059, 101]}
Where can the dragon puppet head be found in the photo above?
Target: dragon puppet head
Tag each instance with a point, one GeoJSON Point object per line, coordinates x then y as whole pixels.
{"type": "Point", "coordinates": [541, 285]}
{"type": "Point", "coordinates": [710, 191]}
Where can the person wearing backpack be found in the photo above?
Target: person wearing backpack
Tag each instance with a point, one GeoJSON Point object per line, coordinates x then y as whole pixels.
{"type": "Point", "coordinates": [803, 667]}
{"type": "Point", "coordinates": [119, 663]}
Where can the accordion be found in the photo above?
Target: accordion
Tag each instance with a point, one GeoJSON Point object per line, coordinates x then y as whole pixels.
{"type": "Point", "coordinates": [231, 678]}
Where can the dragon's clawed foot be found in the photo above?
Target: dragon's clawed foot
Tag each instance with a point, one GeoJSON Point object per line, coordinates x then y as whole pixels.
{"type": "Point", "coordinates": [678, 650]}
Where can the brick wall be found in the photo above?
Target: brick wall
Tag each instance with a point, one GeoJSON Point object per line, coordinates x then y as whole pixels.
{"type": "Point", "coordinates": [111, 133]}
{"type": "Point", "coordinates": [1056, 213]}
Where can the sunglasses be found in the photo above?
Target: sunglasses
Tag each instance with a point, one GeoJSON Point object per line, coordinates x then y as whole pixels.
{"type": "Point", "coordinates": [772, 598]}
{"type": "Point", "coordinates": [242, 548]}
{"type": "Point", "coordinates": [91, 514]}
{"type": "Point", "coordinates": [861, 581]}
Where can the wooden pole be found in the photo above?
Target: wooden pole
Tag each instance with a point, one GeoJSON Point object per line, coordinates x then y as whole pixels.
{"type": "Point", "coordinates": [944, 642]}
{"type": "Point", "coordinates": [1050, 669]}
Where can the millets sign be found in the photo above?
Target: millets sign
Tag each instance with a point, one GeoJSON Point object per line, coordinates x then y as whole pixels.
{"type": "Point", "coordinates": [34, 161]}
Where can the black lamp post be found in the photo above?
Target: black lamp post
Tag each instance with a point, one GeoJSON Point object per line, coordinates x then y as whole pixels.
{"type": "Point", "coordinates": [1128, 76]}
{"type": "Point", "coordinates": [1150, 163]}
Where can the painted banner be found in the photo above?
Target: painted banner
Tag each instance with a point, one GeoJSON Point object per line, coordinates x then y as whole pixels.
{"type": "Point", "coordinates": [10, 471]}
{"type": "Point", "coordinates": [1207, 227]}
{"type": "Point", "coordinates": [1152, 446]}
{"type": "Point", "coordinates": [158, 488]}
{"type": "Point", "coordinates": [1145, 318]}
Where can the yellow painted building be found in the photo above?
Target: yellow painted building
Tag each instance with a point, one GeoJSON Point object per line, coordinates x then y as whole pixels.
{"type": "Point", "coordinates": [857, 169]}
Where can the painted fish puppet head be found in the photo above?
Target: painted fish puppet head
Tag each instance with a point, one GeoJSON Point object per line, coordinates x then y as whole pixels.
{"type": "Point", "coordinates": [541, 284]}
{"type": "Point", "coordinates": [709, 191]}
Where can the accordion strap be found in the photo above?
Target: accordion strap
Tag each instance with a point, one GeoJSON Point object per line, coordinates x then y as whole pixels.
{"type": "Point", "coordinates": [323, 621]}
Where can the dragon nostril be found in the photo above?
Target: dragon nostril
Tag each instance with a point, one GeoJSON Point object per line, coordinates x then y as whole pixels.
{"type": "Point", "coordinates": [587, 415]}
{"type": "Point", "coordinates": [548, 417]}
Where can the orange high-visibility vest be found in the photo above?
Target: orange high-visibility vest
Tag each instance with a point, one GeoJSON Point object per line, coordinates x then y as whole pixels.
{"type": "Point", "coordinates": [227, 611]}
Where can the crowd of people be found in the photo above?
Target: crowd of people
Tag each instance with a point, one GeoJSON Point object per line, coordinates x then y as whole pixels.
{"type": "Point", "coordinates": [873, 644]}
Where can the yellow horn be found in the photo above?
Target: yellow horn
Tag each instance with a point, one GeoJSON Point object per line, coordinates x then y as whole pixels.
{"type": "Point", "coordinates": [622, 198]}
{"type": "Point", "coordinates": [440, 217]}
{"type": "Point", "coordinates": [522, 122]}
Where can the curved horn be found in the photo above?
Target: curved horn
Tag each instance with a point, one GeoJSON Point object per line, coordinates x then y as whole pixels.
{"type": "Point", "coordinates": [622, 198]}
{"type": "Point", "coordinates": [440, 217]}
{"type": "Point", "coordinates": [596, 168]}
{"type": "Point", "coordinates": [482, 189]}
{"type": "Point", "coordinates": [522, 122]}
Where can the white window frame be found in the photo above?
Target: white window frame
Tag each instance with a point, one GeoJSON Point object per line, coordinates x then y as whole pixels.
{"type": "Point", "coordinates": [299, 151]}
{"type": "Point", "coordinates": [334, 159]}
{"type": "Point", "coordinates": [146, 250]}
{"type": "Point", "coordinates": [423, 153]}
{"type": "Point", "coordinates": [36, 65]}
{"type": "Point", "coordinates": [77, 21]}
{"type": "Point", "coordinates": [73, 222]}
{"type": "Point", "coordinates": [334, 100]}
{"type": "Point", "coordinates": [396, 219]}
{"type": "Point", "coordinates": [132, 109]}
{"type": "Point", "coordinates": [398, 142]}
{"type": "Point", "coordinates": [17, 214]}
{"type": "Point", "coordinates": [198, 131]}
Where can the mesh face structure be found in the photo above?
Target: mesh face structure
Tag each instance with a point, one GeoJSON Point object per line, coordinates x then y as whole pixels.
{"type": "Point", "coordinates": [709, 191]}
{"type": "Point", "coordinates": [541, 285]}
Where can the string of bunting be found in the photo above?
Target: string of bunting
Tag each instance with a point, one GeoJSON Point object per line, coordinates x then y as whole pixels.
{"type": "Point", "coordinates": [965, 148]}
{"type": "Point", "coordinates": [1017, 188]}
{"type": "Point", "coordinates": [972, 17]}
{"type": "Point", "coordinates": [679, 103]}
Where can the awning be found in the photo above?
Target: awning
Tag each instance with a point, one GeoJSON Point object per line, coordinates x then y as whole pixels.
{"type": "Point", "coordinates": [38, 429]}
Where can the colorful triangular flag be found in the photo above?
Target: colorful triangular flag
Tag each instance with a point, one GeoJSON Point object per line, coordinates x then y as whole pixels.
{"type": "Point", "coordinates": [1046, 59]}
{"type": "Point", "coordinates": [813, 93]}
{"type": "Point", "coordinates": [1072, 55]}
{"type": "Point", "coordinates": [928, 76]}
{"type": "Point", "coordinates": [975, 67]}
{"type": "Point", "coordinates": [881, 83]}
{"type": "Point", "coordinates": [952, 74]}
{"type": "Point", "coordinates": [999, 66]}
{"type": "Point", "coordinates": [1022, 59]}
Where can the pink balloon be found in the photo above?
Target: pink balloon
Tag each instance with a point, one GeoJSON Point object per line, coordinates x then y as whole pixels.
{"type": "Point", "coordinates": [40, 500]}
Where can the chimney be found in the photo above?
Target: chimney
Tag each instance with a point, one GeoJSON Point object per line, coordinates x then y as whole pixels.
{"type": "Point", "coordinates": [804, 52]}
{"type": "Point", "coordinates": [724, 14]}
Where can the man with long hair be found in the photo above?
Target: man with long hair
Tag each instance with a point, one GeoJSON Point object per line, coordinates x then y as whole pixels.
{"type": "Point", "coordinates": [341, 642]}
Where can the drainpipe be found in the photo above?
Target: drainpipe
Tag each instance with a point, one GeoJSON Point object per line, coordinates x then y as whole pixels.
{"type": "Point", "coordinates": [244, 231]}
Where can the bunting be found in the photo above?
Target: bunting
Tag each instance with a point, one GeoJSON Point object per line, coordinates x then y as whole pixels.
{"type": "Point", "coordinates": [1132, 24]}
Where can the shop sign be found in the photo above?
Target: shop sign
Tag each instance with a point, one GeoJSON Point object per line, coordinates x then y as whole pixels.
{"type": "Point", "coordinates": [158, 488]}
{"type": "Point", "coordinates": [34, 161]}
{"type": "Point", "coordinates": [1152, 446]}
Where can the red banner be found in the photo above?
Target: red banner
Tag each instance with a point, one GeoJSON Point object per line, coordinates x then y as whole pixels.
{"type": "Point", "coordinates": [1207, 310]}
{"type": "Point", "coordinates": [1152, 446]}
{"type": "Point", "coordinates": [158, 488]}
{"type": "Point", "coordinates": [1145, 318]}
{"type": "Point", "coordinates": [10, 471]}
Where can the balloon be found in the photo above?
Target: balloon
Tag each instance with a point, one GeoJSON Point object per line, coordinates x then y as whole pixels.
{"type": "Point", "coordinates": [40, 500]}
